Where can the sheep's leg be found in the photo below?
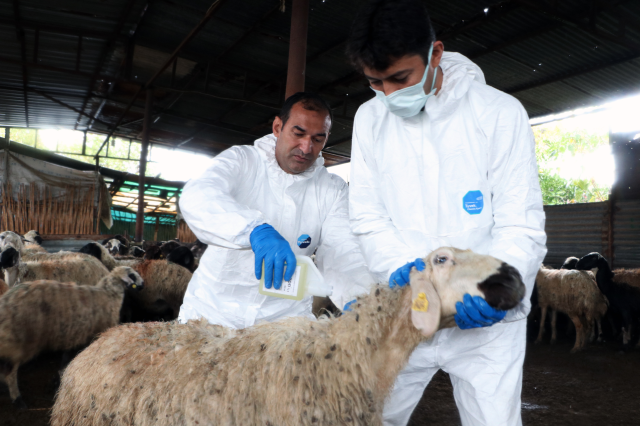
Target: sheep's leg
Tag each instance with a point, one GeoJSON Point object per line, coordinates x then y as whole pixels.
{"type": "Point", "coordinates": [626, 332]}
{"type": "Point", "coordinates": [14, 392]}
{"type": "Point", "coordinates": [592, 331]}
{"type": "Point", "coordinates": [554, 319]}
{"type": "Point", "coordinates": [599, 324]}
{"type": "Point", "coordinates": [579, 333]}
{"type": "Point", "coordinates": [543, 316]}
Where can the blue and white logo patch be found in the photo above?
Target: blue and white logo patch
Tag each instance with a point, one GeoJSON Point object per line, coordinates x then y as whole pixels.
{"type": "Point", "coordinates": [304, 241]}
{"type": "Point", "coordinates": [473, 202]}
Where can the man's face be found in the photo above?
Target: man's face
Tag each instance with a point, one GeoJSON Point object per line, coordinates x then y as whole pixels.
{"type": "Point", "coordinates": [301, 139]}
{"type": "Point", "coordinates": [404, 72]}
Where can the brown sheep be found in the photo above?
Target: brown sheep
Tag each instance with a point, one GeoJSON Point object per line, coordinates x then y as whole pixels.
{"type": "Point", "coordinates": [627, 276]}
{"type": "Point", "coordinates": [51, 315]}
{"type": "Point", "coordinates": [82, 270]}
{"type": "Point", "coordinates": [574, 293]}
{"type": "Point", "coordinates": [166, 284]}
{"type": "Point", "coordinates": [295, 371]}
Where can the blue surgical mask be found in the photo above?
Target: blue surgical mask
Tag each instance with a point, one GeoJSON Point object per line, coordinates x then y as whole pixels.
{"type": "Point", "coordinates": [409, 101]}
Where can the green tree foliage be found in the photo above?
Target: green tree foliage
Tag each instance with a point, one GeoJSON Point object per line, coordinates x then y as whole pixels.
{"type": "Point", "coordinates": [554, 147]}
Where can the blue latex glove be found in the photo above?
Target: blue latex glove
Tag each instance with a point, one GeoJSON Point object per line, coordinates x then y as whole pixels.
{"type": "Point", "coordinates": [475, 312]}
{"type": "Point", "coordinates": [347, 307]}
{"type": "Point", "coordinates": [268, 245]}
{"type": "Point", "coordinates": [401, 275]}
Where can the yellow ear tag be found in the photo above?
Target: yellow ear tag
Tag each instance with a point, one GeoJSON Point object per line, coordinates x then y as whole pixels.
{"type": "Point", "coordinates": [134, 286]}
{"type": "Point", "coordinates": [420, 303]}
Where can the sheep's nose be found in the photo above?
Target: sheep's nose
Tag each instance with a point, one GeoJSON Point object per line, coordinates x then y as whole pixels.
{"type": "Point", "coordinates": [504, 289]}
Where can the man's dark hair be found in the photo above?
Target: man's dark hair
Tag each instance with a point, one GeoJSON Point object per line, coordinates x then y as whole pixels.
{"type": "Point", "coordinates": [310, 102]}
{"type": "Point", "coordinates": [385, 30]}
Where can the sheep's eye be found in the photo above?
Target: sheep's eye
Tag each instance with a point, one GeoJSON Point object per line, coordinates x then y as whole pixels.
{"type": "Point", "coordinates": [133, 277]}
{"type": "Point", "coordinates": [439, 260]}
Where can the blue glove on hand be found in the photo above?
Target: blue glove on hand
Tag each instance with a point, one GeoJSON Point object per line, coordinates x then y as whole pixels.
{"type": "Point", "coordinates": [347, 307]}
{"type": "Point", "coordinates": [268, 245]}
{"type": "Point", "coordinates": [475, 312]}
{"type": "Point", "coordinates": [401, 275]}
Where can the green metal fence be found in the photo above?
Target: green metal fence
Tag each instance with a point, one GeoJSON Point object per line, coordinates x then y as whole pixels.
{"type": "Point", "coordinates": [124, 222]}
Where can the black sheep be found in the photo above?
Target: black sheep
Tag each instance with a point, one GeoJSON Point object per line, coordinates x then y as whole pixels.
{"type": "Point", "coordinates": [624, 300]}
{"type": "Point", "coordinates": [184, 257]}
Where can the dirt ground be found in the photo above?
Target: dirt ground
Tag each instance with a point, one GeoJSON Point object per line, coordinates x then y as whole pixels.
{"type": "Point", "coordinates": [596, 387]}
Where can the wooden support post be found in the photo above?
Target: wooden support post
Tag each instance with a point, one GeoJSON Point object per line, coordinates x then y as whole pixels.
{"type": "Point", "coordinates": [155, 231]}
{"type": "Point", "coordinates": [297, 47]}
{"type": "Point", "coordinates": [146, 127]}
{"type": "Point", "coordinates": [7, 139]}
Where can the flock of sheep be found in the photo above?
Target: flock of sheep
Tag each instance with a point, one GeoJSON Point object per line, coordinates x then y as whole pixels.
{"type": "Point", "coordinates": [153, 370]}
{"type": "Point", "coordinates": [336, 370]}
{"type": "Point", "coordinates": [586, 290]}
{"type": "Point", "coordinates": [61, 301]}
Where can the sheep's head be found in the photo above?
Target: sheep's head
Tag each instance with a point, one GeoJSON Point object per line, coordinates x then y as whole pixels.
{"type": "Point", "coordinates": [182, 256]}
{"type": "Point", "coordinates": [130, 279]}
{"type": "Point", "coordinates": [570, 263]}
{"type": "Point", "coordinates": [9, 262]}
{"type": "Point", "coordinates": [11, 239]}
{"type": "Point", "coordinates": [137, 251]}
{"type": "Point", "coordinates": [114, 246]}
{"type": "Point", "coordinates": [451, 273]}
{"type": "Point", "coordinates": [33, 237]}
{"type": "Point", "coordinates": [590, 261]}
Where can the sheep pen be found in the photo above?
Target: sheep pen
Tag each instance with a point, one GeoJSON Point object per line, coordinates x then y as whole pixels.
{"type": "Point", "coordinates": [291, 372]}
{"type": "Point", "coordinates": [51, 315]}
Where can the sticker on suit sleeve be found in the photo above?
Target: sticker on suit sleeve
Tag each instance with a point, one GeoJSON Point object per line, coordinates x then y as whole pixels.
{"type": "Point", "coordinates": [304, 241]}
{"type": "Point", "coordinates": [473, 202]}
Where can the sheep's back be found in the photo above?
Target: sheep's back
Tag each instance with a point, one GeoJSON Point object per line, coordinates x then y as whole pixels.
{"type": "Point", "coordinates": [569, 291]}
{"type": "Point", "coordinates": [168, 373]}
{"type": "Point", "coordinates": [163, 281]}
{"type": "Point", "coordinates": [627, 276]}
{"type": "Point", "coordinates": [49, 315]}
{"type": "Point", "coordinates": [83, 270]}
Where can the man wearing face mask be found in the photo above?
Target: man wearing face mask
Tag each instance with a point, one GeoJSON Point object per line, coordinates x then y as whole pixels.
{"type": "Point", "coordinates": [267, 203]}
{"type": "Point", "coordinates": [441, 159]}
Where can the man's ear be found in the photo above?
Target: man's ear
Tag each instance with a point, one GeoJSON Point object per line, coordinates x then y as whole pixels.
{"type": "Point", "coordinates": [436, 55]}
{"type": "Point", "coordinates": [277, 127]}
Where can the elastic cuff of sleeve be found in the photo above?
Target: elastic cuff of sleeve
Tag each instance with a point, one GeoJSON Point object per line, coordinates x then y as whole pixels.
{"type": "Point", "coordinates": [243, 239]}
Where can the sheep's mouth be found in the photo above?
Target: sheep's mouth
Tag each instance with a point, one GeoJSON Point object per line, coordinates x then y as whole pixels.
{"type": "Point", "coordinates": [505, 289]}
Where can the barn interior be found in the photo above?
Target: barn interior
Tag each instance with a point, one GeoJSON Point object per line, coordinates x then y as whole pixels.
{"type": "Point", "coordinates": [205, 75]}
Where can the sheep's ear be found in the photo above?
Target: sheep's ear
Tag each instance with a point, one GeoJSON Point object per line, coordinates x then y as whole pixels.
{"type": "Point", "coordinates": [425, 303]}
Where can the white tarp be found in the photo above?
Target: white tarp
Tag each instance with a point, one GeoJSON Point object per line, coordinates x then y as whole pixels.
{"type": "Point", "coordinates": [19, 169]}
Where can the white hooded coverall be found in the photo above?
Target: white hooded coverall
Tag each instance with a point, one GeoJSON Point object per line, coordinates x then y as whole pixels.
{"type": "Point", "coordinates": [461, 173]}
{"type": "Point", "coordinates": [245, 187]}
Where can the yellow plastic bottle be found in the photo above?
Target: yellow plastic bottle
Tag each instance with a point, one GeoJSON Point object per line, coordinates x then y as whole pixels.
{"type": "Point", "coordinates": [306, 281]}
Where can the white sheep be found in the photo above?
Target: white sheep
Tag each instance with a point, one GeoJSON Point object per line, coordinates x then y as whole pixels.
{"type": "Point", "coordinates": [574, 293]}
{"type": "Point", "coordinates": [291, 372]}
{"type": "Point", "coordinates": [52, 315]}
{"type": "Point", "coordinates": [85, 270]}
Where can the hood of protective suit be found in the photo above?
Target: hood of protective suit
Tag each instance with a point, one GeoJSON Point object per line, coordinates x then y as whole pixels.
{"type": "Point", "coordinates": [458, 74]}
{"type": "Point", "coordinates": [267, 149]}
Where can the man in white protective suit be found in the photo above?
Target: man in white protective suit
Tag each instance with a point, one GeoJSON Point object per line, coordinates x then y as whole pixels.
{"type": "Point", "coordinates": [269, 202]}
{"type": "Point", "coordinates": [441, 159]}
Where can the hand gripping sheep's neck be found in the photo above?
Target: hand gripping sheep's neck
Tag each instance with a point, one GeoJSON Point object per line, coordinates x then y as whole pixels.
{"type": "Point", "coordinates": [291, 372]}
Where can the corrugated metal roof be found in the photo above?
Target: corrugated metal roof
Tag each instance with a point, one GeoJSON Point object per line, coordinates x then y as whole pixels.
{"type": "Point", "coordinates": [551, 59]}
